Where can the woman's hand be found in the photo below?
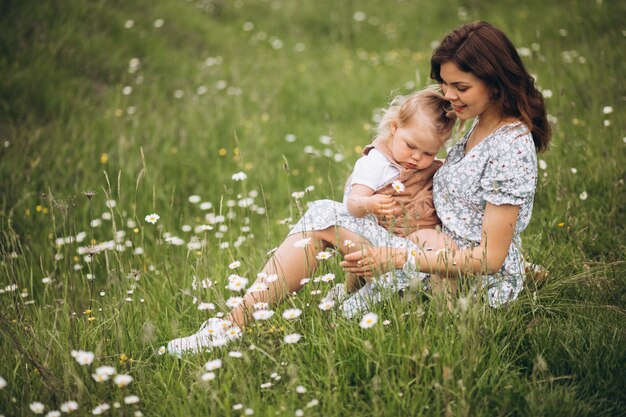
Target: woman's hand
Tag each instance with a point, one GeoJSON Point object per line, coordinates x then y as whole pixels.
{"type": "Point", "coordinates": [373, 261]}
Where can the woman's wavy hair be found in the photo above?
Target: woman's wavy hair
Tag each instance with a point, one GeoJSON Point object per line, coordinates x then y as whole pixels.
{"type": "Point", "coordinates": [485, 51]}
{"type": "Point", "coordinates": [403, 109]}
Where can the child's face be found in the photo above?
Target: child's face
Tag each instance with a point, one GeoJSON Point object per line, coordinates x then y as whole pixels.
{"type": "Point", "coordinates": [415, 146]}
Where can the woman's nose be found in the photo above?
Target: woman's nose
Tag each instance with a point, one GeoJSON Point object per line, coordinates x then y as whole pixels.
{"type": "Point", "coordinates": [449, 94]}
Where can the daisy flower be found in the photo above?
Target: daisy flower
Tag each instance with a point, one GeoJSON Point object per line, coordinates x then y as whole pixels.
{"type": "Point", "coordinates": [292, 313]}
{"type": "Point", "coordinates": [218, 342]}
{"type": "Point", "coordinates": [239, 176]}
{"type": "Point", "coordinates": [3, 382]}
{"type": "Point", "coordinates": [293, 338]}
{"type": "Point", "coordinates": [233, 332]}
{"type": "Point", "coordinates": [262, 314]}
{"type": "Point", "coordinates": [235, 354]}
{"type": "Point", "coordinates": [300, 389]}
{"type": "Point", "coordinates": [83, 357]}
{"type": "Point", "coordinates": [193, 199]}
{"type": "Point", "coordinates": [122, 380]}
{"type": "Point", "coordinates": [266, 385]}
{"type": "Point", "coordinates": [322, 256]}
{"type": "Point", "coordinates": [162, 350]}
{"type": "Point", "coordinates": [261, 305]}
{"type": "Point", "coordinates": [348, 243]}
{"type": "Point", "coordinates": [208, 376]}
{"type": "Point", "coordinates": [152, 218]}
{"type": "Point", "coordinates": [237, 284]}
{"type": "Point", "coordinates": [271, 278]}
{"type": "Point", "coordinates": [213, 365]}
{"type": "Point", "coordinates": [398, 186]}
{"type": "Point", "coordinates": [326, 305]}
{"type": "Point", "coordinates": [328, 277]}
{"type": "Point", "coordinates": [304, 281]}
{"type": "Point", "coordinates": [233, 302]}
{"type": "Point", "coordinates": [69, 406]}
{"type": "Point", "coordinates": [206, 306]}
{"type": "Point", "coordinates": [369, 320]}
{"type": "Point", "coordinates": [131, 399]}
{"type": "Point", "coordinates": [302, 243]}
{"type": "Point", "coordinates": [258, 287]}
{"type": "Point", "coordinates": [234, 265]}
{"type": "Point", "coordinates": [37, 407]}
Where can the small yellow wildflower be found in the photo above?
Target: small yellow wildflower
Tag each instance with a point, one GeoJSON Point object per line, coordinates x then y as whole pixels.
{"type": "Point", "coordinates": [136, 230]}
{"type": "Point", "coordinates": [222, 152]}
{"type": "Point", "coordinates": [27, 212]}
{"type": "Point", "coordinates": [104, 158]}
{"type": "Point", "coordinates": [561, 224]}
{"type": "Point", "coordinates": [358, 149]}
{"type": "Point", "coordinates": [123, 358]}
{"type": "Point", "coordinates": [38, 208]}
{"type": "Point", "coordinates": [91, 318]}
{"type": "Point", "coordinates": [88, 311]}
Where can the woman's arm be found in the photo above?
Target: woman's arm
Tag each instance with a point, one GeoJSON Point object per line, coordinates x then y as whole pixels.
{"type": "Point", "coordinates": [362, 201]}
{"type": "Point", "coordinates": [487, 258]}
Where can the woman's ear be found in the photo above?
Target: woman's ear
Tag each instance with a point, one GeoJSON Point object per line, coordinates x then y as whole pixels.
{"type": "Point", "coordinates": [393, 126]}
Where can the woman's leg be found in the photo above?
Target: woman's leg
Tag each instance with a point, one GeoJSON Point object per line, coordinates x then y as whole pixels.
{"type": "Point", "coordinates": [291, 264]}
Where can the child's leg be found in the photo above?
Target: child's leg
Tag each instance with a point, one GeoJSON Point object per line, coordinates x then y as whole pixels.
{"type": "Point", "coordinates": [291, 265]}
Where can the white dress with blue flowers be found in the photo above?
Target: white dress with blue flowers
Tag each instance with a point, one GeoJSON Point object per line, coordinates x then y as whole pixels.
{"type": "Point", "coordinates": [500, 169]}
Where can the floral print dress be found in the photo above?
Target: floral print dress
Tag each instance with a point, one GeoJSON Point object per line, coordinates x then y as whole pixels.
{"type": "Point", "coordinates": [500, 169]}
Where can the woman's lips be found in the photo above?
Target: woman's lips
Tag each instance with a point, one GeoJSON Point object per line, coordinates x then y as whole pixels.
{"type": "Point", "coordinates": [458, 109]}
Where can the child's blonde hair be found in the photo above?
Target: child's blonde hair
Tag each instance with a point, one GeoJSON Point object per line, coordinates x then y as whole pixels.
{"type": "Point", "coordinates": [430, 101]}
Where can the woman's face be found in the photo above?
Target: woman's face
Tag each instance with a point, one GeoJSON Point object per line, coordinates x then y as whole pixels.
{"type": "Point", "coordinates": [470, 96]}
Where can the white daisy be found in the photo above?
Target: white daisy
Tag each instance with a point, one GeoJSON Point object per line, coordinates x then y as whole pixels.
{"type": "Point", "coordinates": [293, 338]}
{"type": "Point", "coordinates": [122, 380]}
{"type": "Point", "coordinates": [152, 218]}
{"type": "Point", "coordinates": [271, 278]}
{"type": "Point", "coordinates": [262, 314]}
{"type": "Point", "coordinates": [213, 365]}
{"type": "Point", "coordinates": [233, 302]}
{"type": "Point", "coordinates": [398, 186]}
{"type": "Point", "coordinates": [37, 407]}
{"type": "Point", "coordinates": [326, 305]}
{"type": "Point", "coordinates": [369, 320]}
{"type": "Point", "coordinates": [327, 277]}
{"type": "Point", "coordinates": [258, 287]}
{"type": "Point", "coordinates": [235, 354]}
{"type": "Point", "coordinates": [322, 256]}
{"type": "Point", "coordinates": [208, 376]}
{"type": "Point", "coordinates": [131, 399]}
{"type": "Point", "coordinates": [239, 176]}
{"type": "Point", "coordinates": [69, 406]}
{"type": "Point", "coordinates": [234, 265]}
{"type": "Point", "coordinates": [292, 313]}
{"type": "Point", "coordinates": [302, 243]}
{"type": "Point", "coordinates": [261, 305]}
{"type": "Point", "coordinates": [83, 357]}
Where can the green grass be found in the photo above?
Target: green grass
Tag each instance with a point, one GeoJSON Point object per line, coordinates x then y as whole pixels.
{"type": "Point", "coordinates": [307, 69]}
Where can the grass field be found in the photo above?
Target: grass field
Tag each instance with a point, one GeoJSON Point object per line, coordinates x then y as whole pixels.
{"type": "Point", "coordinates": [113, 110]}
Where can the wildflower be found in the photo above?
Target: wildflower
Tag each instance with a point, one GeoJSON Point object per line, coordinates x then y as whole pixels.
{"type": "Point", "coordinates": [69, 406]}
{"type": "Point", "coordinates": [89, 194]}
{"type": "Point", "coordinates": [290, 138]}
{"type": "Point", "coordinates": [316, 292]}
{"type": "Point", "coordinates": [327, 277]}
{"type": "Point", "coordinates": [607, 110]}
{"type": "Point", "coordinates": [235, 354]}
{"type": "Point", "coordinates": [239, 176]}
{"type": "Point", "coordinates": [271, 278]}
{"type": "Point", "coordinates": [37, 407]}
{"type": "Point", "coordinates": [262, 314]}
{"type": "Point", "coordinates": [46, 280]}
{"type": "Point", "coordinates": [266, 385]}
{"type": "Point", "coordinates": [213, 365]}
{"type": "Point", "coordinates": [386, 322]}
{"type": "Point", "coordinates": [208, 376]}
{"type": "Point", "coordinates": [299, 413]}
{"type": "Point", "coordinates": [237, 284]}
{"type": "Point", "coordinates": [261, 305]}
{"type": "Point", "coordinates": [368, 320]}
{"type": "Point", "coordinates": [583, 196]}
{"type": "Point", "coordinates": [152, 218]}
{"type": "Point", "coordinates": [110, 203]}
{"type": "Point", "coordinates": [304, 281]}
{"type": "Point", "coordinates": [326, 305]}
{"type": "Point", "coordinates": [312, 403]}
{"type": "Point", "coordinates": [131, 399]}
{"type": "Point", "coordinates": [206, 306]}
{"type": "Point", "coordinates": [292, 338]}
{"type": "Point", "coordinates": [573, 170]}
{"type": "Point", "coordinates": [302, 243]}
{"type": "Point", "coordinates": [122, 380]}
{"type": "Point", "coordinates": [83, 357]}
{"type": "Point", "coordinates": [348, 243]}
{"type": "Point", "coordinates": [322, 256]}
{"type": "Point", "coordinates": [258, 287]}
{"type": "Point", "coordinates": [234, 265]}
{"type": "Point", "coordinates": [3, 382]}
{"type": "Point", "coordinates": [398, 186]}
{"type": "Point", "coordinates": [248, 411]}
{"type": "Point", "coordinates": [220, 341]}
{"type": "Point", "coordinates": [162, 350]}
{"type": "Point", "coordinates": [297, 195]}
{"type": "Point", "coordinates": [292, 313]}
{"type": "Point", "coordinates": [193, 199]}
{"type": "Point", "coordinates": [300, 389]}
{"type": "Point", "coordinates": [100, 408]}
{"type": "Point", "coordinates": [233, 302]}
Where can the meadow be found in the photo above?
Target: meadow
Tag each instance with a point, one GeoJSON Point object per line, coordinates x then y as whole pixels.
{"type": "Point", "coordinates": [224, 118]}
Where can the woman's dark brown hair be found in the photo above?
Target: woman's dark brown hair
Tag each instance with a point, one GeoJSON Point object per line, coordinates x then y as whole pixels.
{"type": "Point", "coordinates": [485, 51]}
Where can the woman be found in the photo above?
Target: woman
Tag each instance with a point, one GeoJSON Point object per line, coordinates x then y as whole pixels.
{"type": "Point", "coordinates": [483, 193]}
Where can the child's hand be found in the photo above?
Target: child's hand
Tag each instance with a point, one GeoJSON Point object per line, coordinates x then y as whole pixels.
{"type": "Point", "coordinates": [382, 205]}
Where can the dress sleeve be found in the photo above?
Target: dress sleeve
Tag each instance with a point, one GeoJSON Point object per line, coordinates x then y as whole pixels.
{"type": "Point", "coordinates": [510, 176]}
